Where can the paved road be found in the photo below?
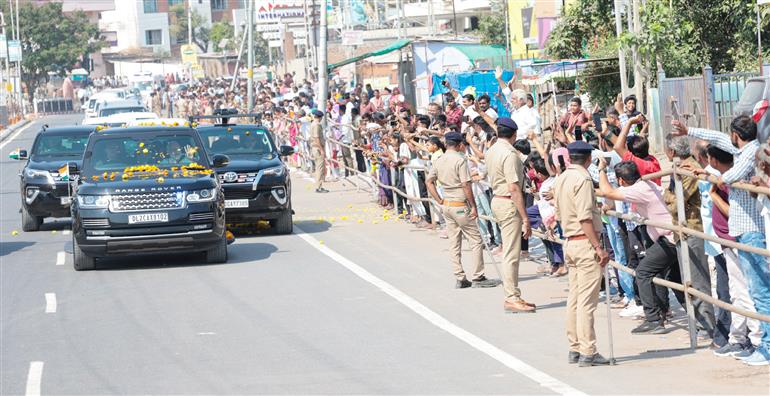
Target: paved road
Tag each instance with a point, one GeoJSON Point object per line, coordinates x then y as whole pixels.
{"type": "Point", "coordinates": [353, 302]}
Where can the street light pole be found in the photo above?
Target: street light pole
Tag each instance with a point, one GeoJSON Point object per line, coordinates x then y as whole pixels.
{"type": "Point", "coordinates": [323, 72]}
{"type": "Point", "coordinates": [250, 72]}
{"type": "Point", "coordinates": [621, 52]}
{"type": "Point", "coordinates": [454, 18]}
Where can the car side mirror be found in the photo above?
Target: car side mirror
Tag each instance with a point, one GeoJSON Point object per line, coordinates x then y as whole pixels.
{"type": "Point", "coordinates": [220, 160]}
{"type": "Point", "coordinates": [73, 168]}
{"type": "Point", "coordinates": [286, 151]}
{"type": "Point", "coordinates": [18, 155]}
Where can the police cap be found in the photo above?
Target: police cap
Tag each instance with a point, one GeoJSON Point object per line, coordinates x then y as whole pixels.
{"type": "Point", "coordinates": [507, 122]}
{"type": "Point", "coordinates": [318, 113]}
{"type": "Point", "coordinates": [580, 147]}
{"type": "Point", "coordinates": [456, 137]}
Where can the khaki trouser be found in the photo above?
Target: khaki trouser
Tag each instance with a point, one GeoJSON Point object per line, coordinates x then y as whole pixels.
{"type": "Point", "coordinates": [585, 279]}
{"type": "Point", "coordinates": [320, 167]}
{"type": "Point", "coordinates": [509, 220]}
{"type": "Point", "coordinates": [458, 224]}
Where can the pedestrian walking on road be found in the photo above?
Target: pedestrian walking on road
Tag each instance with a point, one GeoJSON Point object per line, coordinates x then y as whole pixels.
{"type": "Point", "coordinates": [459, 208]}
{"type": "Point", "coordinates": [317, 146]}
{"type": "Point", "coordinates": [583, 253]}
{"type": "Point", "coordinates": [506, 175]}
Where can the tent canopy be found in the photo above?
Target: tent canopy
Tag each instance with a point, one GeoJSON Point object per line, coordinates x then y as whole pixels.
{"type": "Point", "coordinates": [395, 46]}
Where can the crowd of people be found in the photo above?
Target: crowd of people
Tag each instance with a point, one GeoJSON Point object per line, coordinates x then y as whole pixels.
{"type": "Point", "coordinates": [559, 179]}
{"type": "Point", "coordinates": [527, 176]}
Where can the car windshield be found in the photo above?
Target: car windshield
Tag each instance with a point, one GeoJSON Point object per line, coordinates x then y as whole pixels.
{"type": "Point", "coordinates": [236, 142]}
{"type": "Point", "coordinates": [70, 145]}
{"type": "Point", "coordinates": [142, 85]}
{"type": "Point", "coordinates": [118, 110]}
{"type": "Point", "coordinates": [168, 151]}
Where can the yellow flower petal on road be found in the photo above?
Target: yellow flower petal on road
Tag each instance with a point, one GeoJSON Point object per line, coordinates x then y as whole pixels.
{"type": "Point", "coordinates": [360, 221]}
{"type": "Point", "coordinates": [14, 232]}
{"type": "Point", "coordinates": [343, 218]}
{"type": "Point", "coordinates": [53, 231]}
{"type": "Point", "coordinates": [321, 242]}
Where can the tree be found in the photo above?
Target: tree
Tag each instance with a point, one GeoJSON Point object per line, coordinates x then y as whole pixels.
{"type": "Point", "coordinates": [53, 47]}
{"type": "Point", "coordinates": [219, 31]}
{"type": "Point", "coordinates": [178, 26]}
{"type": "Point", "coordinates": [492, 29]}
{"type": "Point", "coordinates": [585, 25]}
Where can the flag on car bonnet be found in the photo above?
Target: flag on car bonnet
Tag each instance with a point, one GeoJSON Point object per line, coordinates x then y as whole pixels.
{"type": "Point", "coordinates": [64, 172]}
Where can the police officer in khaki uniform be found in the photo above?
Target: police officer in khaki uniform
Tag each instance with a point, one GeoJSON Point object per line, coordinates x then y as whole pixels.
{"type": "Point", "coordinates": [581, 224]}
{"type": "Point", "coordinates": [506, 175]}
{"type": "Point", "coordinates": [459, 208]}
{"type": "Point", "coordinates": [317, 145]}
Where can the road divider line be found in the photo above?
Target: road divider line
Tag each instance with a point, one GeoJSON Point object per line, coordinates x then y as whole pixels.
{"type": "Point", "coordinates": [439, 321]}
{"type": "Point", "coordinates": [60, 258]}
{"type": "Point", "coordinates": [34, 377]}
{"type": "Point", "coordinates": [50, 303]}
{"type": "Point", "coordinates": [15, 135]}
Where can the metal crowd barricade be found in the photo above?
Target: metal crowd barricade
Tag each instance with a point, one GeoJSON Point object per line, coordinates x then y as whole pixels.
{"type": "Point", "coordinates": [682, 231]}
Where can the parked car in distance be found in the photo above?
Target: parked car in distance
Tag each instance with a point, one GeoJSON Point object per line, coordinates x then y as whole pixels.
{"type": "Point", "coordinates": [755, 102]}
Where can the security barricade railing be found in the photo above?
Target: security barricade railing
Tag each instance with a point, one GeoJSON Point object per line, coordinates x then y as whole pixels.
{"type": "Point", "coordinates": [682, 231]}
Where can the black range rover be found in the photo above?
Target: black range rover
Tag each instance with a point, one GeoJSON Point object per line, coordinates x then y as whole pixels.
{"type": "Point", "coordinates": [256, 181]}
{"type": "Point", "coordinates": [146, 190]}
{"type": "Point", "coordinates": [44, 181]}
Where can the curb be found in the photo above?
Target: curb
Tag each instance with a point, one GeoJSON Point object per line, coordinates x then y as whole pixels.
{"type": "Point", "coordinates": [8, 131]}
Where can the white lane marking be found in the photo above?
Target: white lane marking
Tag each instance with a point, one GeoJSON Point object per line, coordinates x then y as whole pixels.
{"type": "Point", "coordinates": [50, 303]}
{"type": "Point", "coordinates": [439, 321]}
{"type": "Point", "coordinates": [66, 232]}
{"type": "Point", "coordinates": [15, 134]}
{"type": "Point", "coordinates": [34, 377]}
{"type": "Point", "coordinates": [60, 258]}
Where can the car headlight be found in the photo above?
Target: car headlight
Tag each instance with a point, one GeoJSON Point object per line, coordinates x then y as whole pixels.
{"type": "Point", "coordinates": [205, 195]}
{"type": "Point", "coordinates": [275, 171]}
{"type": "Point", "coordinates": [94, 201]}
{"type": "Point", "coordinates": [38, 174]}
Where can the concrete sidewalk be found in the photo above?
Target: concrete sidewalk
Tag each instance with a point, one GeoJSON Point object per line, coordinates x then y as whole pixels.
{"type": "Point", "coordinates": [416, 261]}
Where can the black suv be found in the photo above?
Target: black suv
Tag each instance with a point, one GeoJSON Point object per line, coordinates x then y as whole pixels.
{"type": "Point", "coordinates": [44, 182]}
{"type": "Point", "coordinates": [144, 190]}
{"type": "Point", "coordinates": [256, 182]}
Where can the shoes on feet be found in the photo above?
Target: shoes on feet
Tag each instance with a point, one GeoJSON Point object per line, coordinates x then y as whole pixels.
{"type": "Point", "coordinates": [483, 281]}
{"type": "Point", "coordinates": [462, 284]}
{"type": "Point", "coordinates": [595, 360]}
{"type": "Point", "coordinates": [573, 357]}
{"type": "Point", "coordinates": [656, 327]}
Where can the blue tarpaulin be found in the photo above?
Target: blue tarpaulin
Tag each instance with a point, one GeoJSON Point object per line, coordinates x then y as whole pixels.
{"type": "Point", "coordinates": [483, 81]}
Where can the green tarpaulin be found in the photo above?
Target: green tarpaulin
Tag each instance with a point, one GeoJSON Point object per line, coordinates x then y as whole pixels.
{"type": "Point", "coordinates": [479, 51]}
{"type": "Point", "coordinates": [397, 45]}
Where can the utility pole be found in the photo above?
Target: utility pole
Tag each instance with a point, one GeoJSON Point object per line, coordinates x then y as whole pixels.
{"type": "Point", "coordinates": [189, 22]}
{"type": "Point", "coordinates": [323, 72]}
{"type": "Point", "coordinates": [759, 39]}
{"type": "Point", "coordinates": [639, 73]}
{"type": "Point", "coordinates": [18, 64]}
{"type": "Point", "coordinates": [507, 34]}
{"type": "Point", "coordinates": [398, 12]}
{"type": "Point", "coordinates": [250, 72]}
{"type": "Point", "coordinates": [307, 42]}
{"type": "Point", "coordinates": [6, 93]}
{"type": "Point", "coordinates": [621, 52]}
{"type": "Point", "coordinates": [431, 20]}
{"type": "Point", "coordinates": [454, 18]}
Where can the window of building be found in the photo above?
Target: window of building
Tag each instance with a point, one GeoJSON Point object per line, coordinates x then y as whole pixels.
{"type": "Point", "coordinates": [150, 6]}
{"type": "Point", "coordinates": [172, 3]}
{"type": "Point", "coordinates": [218, 4]}
{"type": "Point", "coordinates": [111, 38]}
{"type": "Point", "coordinates": [153, 37]}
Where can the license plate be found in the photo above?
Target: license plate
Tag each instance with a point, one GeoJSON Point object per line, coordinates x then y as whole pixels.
{"type": "Point", "coordinates": [148, 218]}
{"type": "Point", "coordinates": [66, 200]}
{"type": "Point", "coordinates": [237, 203]}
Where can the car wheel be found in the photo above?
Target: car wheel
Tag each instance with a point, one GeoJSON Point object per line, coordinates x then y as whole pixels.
{"type": "Point", "coordinates": [283, 224]}
{"type": "Point", "coordinates": [80, 260]}
{"type": "Point", "coordinates": [218, 254]}
{"type": "Point", "coordinates": [28, 221]}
